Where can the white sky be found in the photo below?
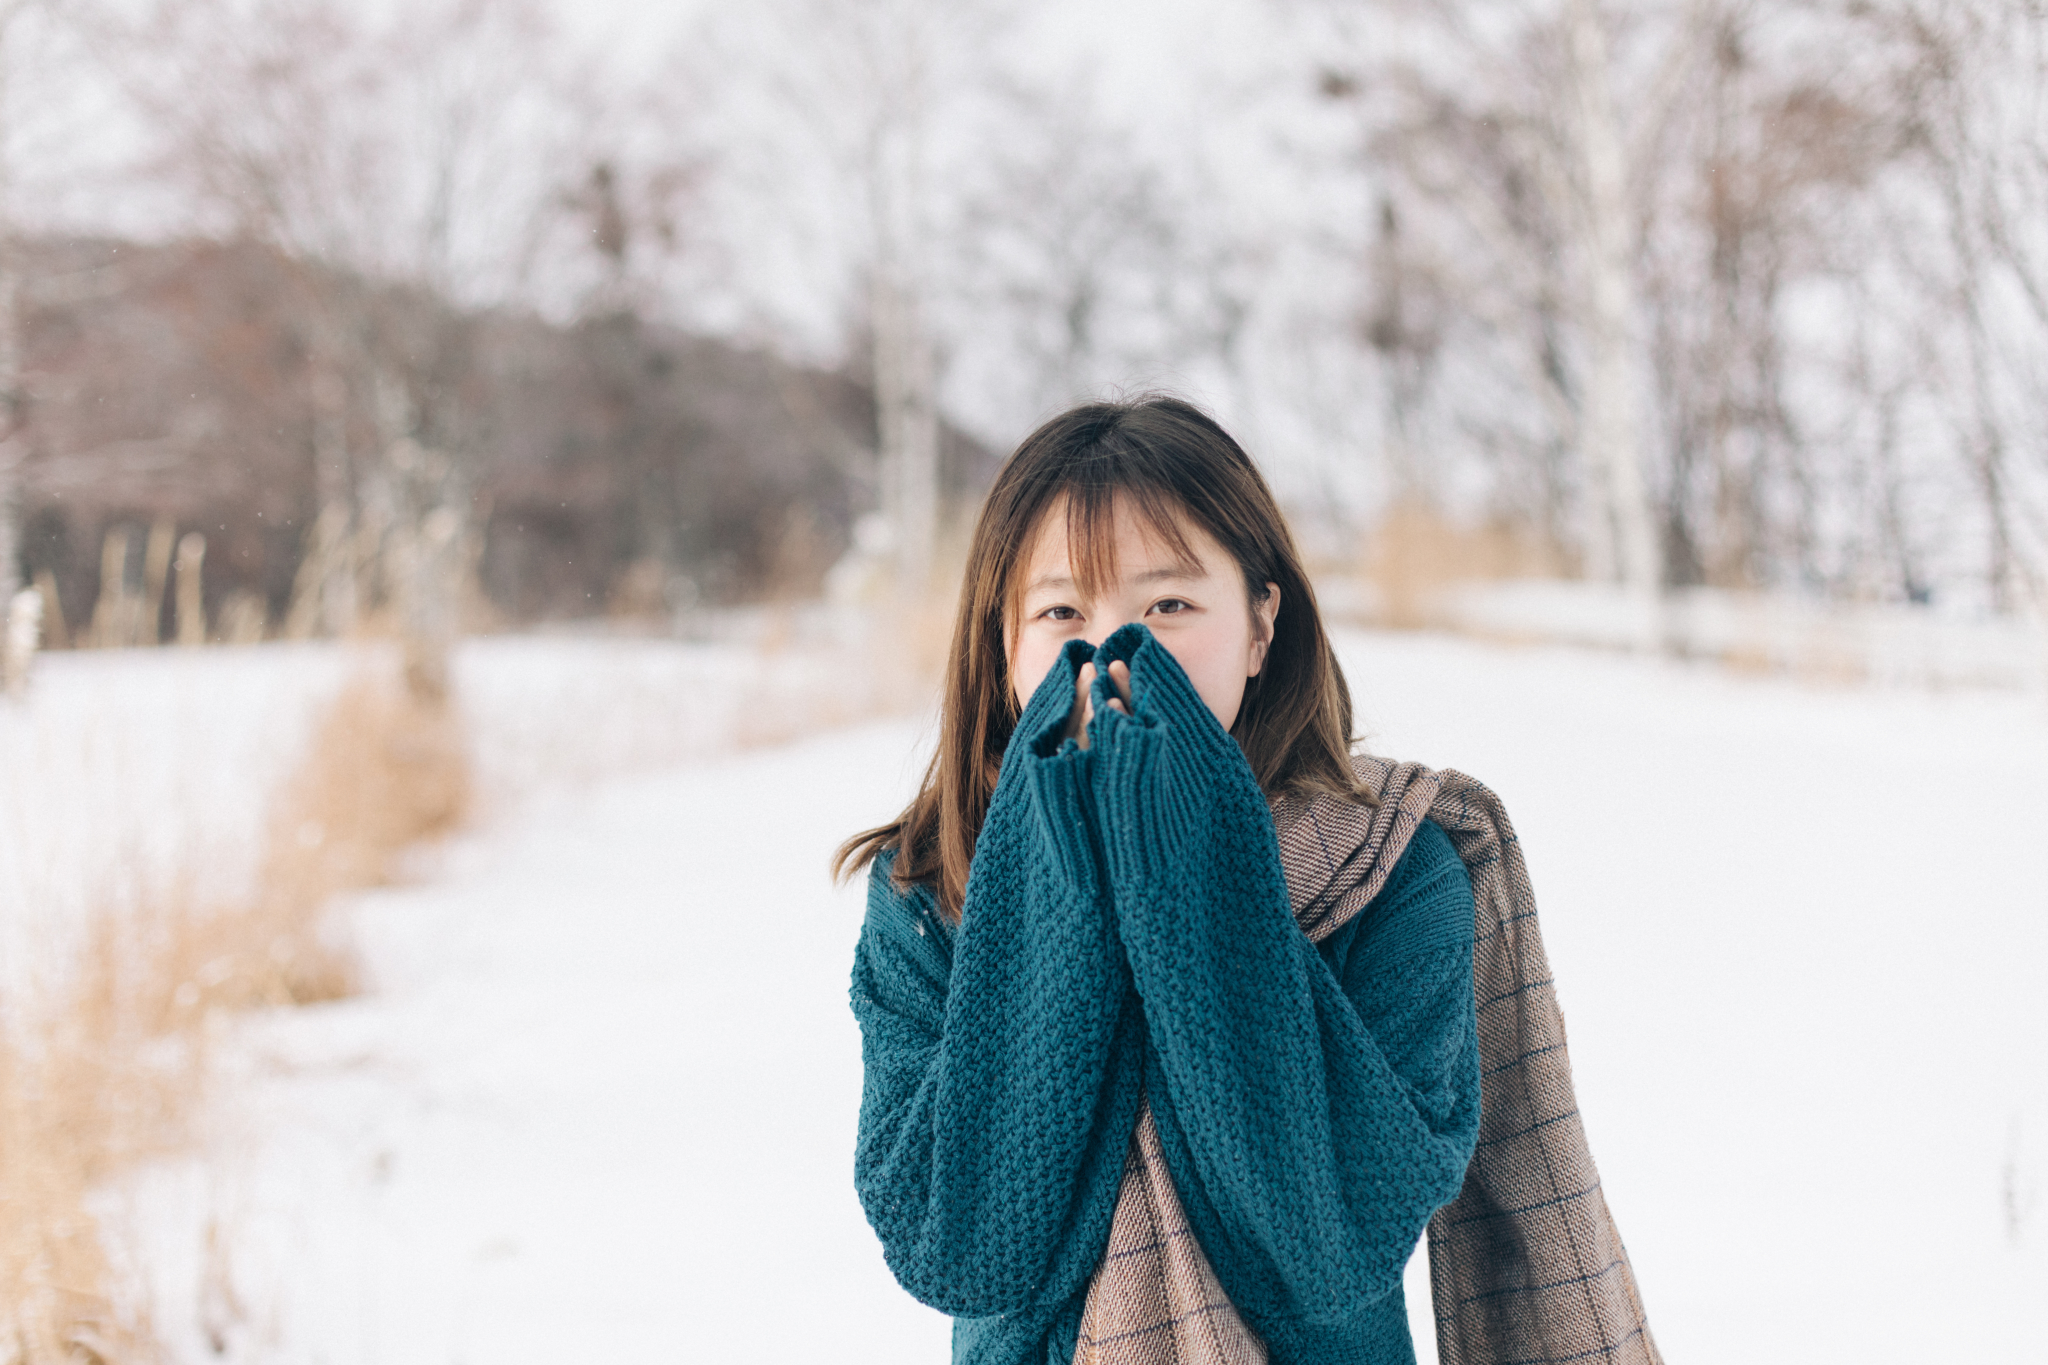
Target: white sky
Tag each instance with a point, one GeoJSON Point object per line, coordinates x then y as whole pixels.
{"type": "Point", "coordinates": [1147, 48]}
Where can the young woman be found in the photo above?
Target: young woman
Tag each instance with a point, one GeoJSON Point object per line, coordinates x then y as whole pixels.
{"type": "Point", "coordinates": [1171, 1037]}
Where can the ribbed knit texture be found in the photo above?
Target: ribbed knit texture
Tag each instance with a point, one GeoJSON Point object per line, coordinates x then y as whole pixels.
{"type": "Point", "coordinates": [1127, 928]}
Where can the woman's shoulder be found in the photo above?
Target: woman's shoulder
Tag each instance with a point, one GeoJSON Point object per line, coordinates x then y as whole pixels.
{"type": "Point", "coordinates": [1426, 904]}
{"type": "Point", "coordinates": [1429, 857]}
{"type": "Point", "coordinates": [907, 915]}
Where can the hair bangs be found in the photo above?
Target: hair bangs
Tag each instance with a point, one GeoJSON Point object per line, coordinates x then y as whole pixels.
{"type": "Point", "coordinates": [1092, 510]}
{"type": "Point", "coordinates": [1090, 496]}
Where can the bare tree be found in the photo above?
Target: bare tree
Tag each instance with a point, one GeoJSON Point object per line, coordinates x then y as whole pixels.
{"type": "Point", "coordinates": [1087, 261]}
{"type": "Point", "coordinates": [12, 400]}
{"type": "Point", "coordinates": [425, 152]}
{"type": "Point", "coordinates": [1969, 90]}
{"type": "Point", "coordinates": [1741, 194]}
{"type": "Point", "coordinates": [1500, 132]}
{"type": "Point", "coordinates": [1624, 543]}
{"type": "Point", "coordinates": [849, 126]}
{"type": "Point", "coordinates": [893, 47]}
{"type": "Point", "coordinates": [1764, 268]}
{"type": "Point", "coordinates": [1403, 333]}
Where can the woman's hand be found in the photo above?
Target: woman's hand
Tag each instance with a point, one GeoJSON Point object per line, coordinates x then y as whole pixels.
{"type": "Point", "coordinates": [1084, 708]}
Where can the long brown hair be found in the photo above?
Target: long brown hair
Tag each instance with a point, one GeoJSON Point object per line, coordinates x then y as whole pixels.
{"type": "Point", "coordinates": [1174, 465]}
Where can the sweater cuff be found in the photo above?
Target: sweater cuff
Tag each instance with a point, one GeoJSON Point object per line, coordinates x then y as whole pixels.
{"type": "Point", "coordinates": [1060, 790]}
{"type": "Point", "coordinates": [1044, 722]}
{"type": "Point", "coordinates": [1158, 770]}
{"type": "Point", "coordinates": [1162, 696]}
{"type": "Point", "coordinates": [1056, 770]}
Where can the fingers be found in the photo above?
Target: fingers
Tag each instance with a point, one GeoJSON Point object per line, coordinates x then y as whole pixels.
{"type": "Point", "coordinates": [1084, 708]}
{"type": "Point", "coordinates": [1084, 705]}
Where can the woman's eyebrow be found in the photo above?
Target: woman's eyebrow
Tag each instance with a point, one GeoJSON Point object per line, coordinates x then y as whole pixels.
{"type": "Point", "coordinates": [1172, 571]}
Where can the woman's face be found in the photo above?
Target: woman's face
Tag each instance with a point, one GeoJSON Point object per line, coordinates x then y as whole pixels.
{"type": "Point", "coordinates": [1199, 610]}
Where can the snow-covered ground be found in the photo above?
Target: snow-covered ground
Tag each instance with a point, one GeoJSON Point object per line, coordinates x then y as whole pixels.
{"type": "Point", "coordinates": [1885, 643]}
{"type": "Point", "coordinates": [1801, 938]}
{"type": "Point", "coordinates": [137, 769]}
{"type": "Point", "coordinates": [143, 770]}
{"type": "Point", "coordinates": [601, 1099]}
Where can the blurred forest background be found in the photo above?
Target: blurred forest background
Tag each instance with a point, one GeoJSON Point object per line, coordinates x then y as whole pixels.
{"type": "Point", "coordinates": [315, 313]}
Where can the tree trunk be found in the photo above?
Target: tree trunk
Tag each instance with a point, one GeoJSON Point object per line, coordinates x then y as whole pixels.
{"type": "Point", "coordinates": [334, 603]}
{"type": "Point", "coordinates": [11, 409]}
{"type": "Point", "coordinates": [906, 398]}
{"type": "Point", "coordinates": [191, 608]}
{"type": "Point", "coordinates": [1623, 543]}
{"type": "Point", "coordinates": [10, 515]}
{"type": "Point", "coordinates": [907, 427]}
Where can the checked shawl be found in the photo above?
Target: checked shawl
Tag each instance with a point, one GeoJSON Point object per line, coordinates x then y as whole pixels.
{"type": "Point", "coordinates": [1526, 1264]}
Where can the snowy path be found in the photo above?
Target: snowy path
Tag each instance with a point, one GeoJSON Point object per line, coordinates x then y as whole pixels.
{"type": "Point", "coordinates": [601, 1102]}
{"type": "Point", "coordinates": [600, 1106]}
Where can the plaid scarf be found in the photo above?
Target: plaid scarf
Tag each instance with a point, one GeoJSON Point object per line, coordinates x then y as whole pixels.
{"type": "Point", "coordinates": [1525, 1264]}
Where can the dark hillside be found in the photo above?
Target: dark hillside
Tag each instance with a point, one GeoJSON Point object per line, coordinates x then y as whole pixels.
{"type": "Point", "coordinates": [609, 465]}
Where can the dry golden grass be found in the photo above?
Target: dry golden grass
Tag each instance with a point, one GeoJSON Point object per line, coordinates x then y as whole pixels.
{"type": "Point", "coordinates": [1416, 553]}
{"type": "Point", "coordinates": [386, 770]}
{"type": "Point", "coordinates": [83, 1090]}
{"type": "Point", "coordinates": [809, 688]}
{"type": "Point", "coordinates": [104, 1067]}
{"type": "Point", "coordinates": [890, 667]}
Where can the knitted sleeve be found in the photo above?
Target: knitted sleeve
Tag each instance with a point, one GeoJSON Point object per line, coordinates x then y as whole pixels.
{"type": "Point", "coordinates": [1000, 1087]}
{"type": "Point", "coordinates": [1310, 1132]}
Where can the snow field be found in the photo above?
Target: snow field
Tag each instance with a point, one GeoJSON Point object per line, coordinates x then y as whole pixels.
{"type": "Point", "coordinates": [602, 1096]}
{"type": "Point", "coordinates": [601, 1102]}
{"type": "Point", "coordinates": [1799, 937]}
{"type": "Point", "coordinates": [140, 771]}
{"type": "Point", "coordinates": [545, 711]}
{"type": "Point", "coordinates": [134, 771]}
{"type": "Point", "coordinates": [1884, 643]}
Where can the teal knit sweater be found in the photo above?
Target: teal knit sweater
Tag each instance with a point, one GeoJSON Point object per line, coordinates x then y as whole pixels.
{"type": "Point", "coordinates": [1127, 930]}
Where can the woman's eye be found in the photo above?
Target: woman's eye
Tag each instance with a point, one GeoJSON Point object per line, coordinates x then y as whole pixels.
{"type": "Point", "coordinates": [1061, 614]}
{"type": "Point", "coordinates": [1170, 606]}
